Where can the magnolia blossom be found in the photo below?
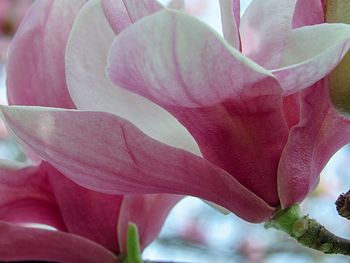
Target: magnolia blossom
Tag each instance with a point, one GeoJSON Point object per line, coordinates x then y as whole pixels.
{"type": "Point", "coordinates": [152, 100]}
{"type": "Point", "coordinates": [91, 226]}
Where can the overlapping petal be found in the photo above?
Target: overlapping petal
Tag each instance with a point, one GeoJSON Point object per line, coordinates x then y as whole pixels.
{"type": "Point", "coordinates": [25, 197]}
{"type": "Point", "coordinates": [36, 70]}
{"type": "Point", "coordinates": [308, 13]}
{"type": "Point", "coordinates": [116, 14]}
{"type": "Point", "coordinates": [224, 99]}
{"type": "Point", "coordinates": [230, 20]}
{"type": "Point", "coordinates": [319, 134]}
{"type": "Point", "coordinates": [264, 30]}
{"type": "Point", "coordinates": [92, 90]}
{"type": "Point", "coordinates": [148, 212]}
{"type": "Point", "coordinates": [21, 243]}
{"type": "Point", "coordinates": [100, 212]}
{"type": "Point", "coordinates": [163, 60]}
{"type": "Point", "coordinates": [312, 53]}
{"type": "Point", "coordinates": [113, 156]}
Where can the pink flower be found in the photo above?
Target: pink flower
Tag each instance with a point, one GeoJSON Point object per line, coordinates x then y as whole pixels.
{"type": "Point", "coordinates": [91, 227]}
{"type": "Point", "coordinates": [243, 121]}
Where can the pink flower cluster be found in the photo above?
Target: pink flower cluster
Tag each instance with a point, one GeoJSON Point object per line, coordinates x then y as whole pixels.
{"type": "Point", "coordinates": [131, 97]}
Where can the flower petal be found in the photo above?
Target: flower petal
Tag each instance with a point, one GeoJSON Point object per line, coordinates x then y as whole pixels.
{"type": "Point", "coordinates": [148, 212]}
{"type": "Point", "coordinates": [86, 58]}
{"type": "Point", "coordinates": [21, 243]}
{"type": "Point", "coordinates": [160, 58]}
{"type": "Point", "coordinates": [113, 156]}
{"type": "Point", "coordinates": [139, 9]}
{"type": "Point", "coordinates": [116, 14]}
{"type": "Point", "coordinates": [312, 52]}
{"type": "Point", "coordinates": [319, 134]}
{"type": "Point", "coordinates": [222, 98]}
{"type": "Point", "coordinates": [99, 211]}
{"type": "Point", "coordinates": [121, 13]}
{"type": "Point", "coordinates": [25, 197]}
{"type": "Point", "coordinates": [308, 13]}
{"type": "Point", "coordinates": [230, 22]}
{"type": "Point", "coordinates": [38, 77]}
{"type": "Point", "coordinates": [264, 30]}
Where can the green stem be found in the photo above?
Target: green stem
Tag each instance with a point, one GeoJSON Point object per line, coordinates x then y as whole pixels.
{"type": "Point", "coordinates": [308, 231]}
{"type": "Point", "coordinates": [133, 251]}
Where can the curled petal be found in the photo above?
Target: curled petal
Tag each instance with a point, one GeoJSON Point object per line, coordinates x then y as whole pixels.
{"type": "Point", "coordinates": [160, 58]}
{"type": "Point", "coordinates": [312, 53]}
{"type": "Point", "coordinates": [25, 196]}
{"type": "Point", "coordinates": [148, 212]}
{"type": "Point", "coordinates": [113, 156]}
{"type": "Point", "coordinates": [92, 90]}
{"type": "Point", "coordinates": [311, 143]}
{"type": "Point", "coordinates": [21, 243]}
{"type": "Point", "coordinates": [38, 77]}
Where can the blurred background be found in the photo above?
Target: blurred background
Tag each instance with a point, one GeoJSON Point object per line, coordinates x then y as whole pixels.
{"type": "Point", "coordinates": [194, 231]}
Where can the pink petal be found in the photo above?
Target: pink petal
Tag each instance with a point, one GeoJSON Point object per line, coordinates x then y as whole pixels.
{"type": "Point", "coordinates": [38, 77]}
{"type": "Point", "coordinates": [264, 30]}
{"type": "Point", "coordinates": [148, 212]}
{"type": "Point", "coordinates": [113, 156]}
{"type": "Point", "coordinates": [312, 52]}
{"type": "Point", "coordinates": [25, 196]}
{"type": "Point", "coordinates": [139, 9]}
{"type": "Point", "coordinates": [291, 109]}
{"type": "Point", "coordinates": [87, 213]}
{"type": "Point", "coordinates": [116, 14]}
{"type": "Point", "coordinates": [230, 21]}
{"type": "Point", "coordinates": [91, 90]}
{"type": "Point", "coordinates": [22, 243]}
{"type": "Point", "coordinates": [308, 13]}
{"type": "Point", "coordinates": [319, 134]}
{"type": "Point", "coordinates": [222, 98]}
{"type": "Point", "coordinates": [231, 135]}
{"type": "Point", "coordinates": [160, 58]}
{"type": "Point", "coordinates": [121, 13]}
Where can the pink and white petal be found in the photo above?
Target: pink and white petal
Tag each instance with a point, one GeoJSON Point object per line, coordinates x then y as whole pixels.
{"type": "Point", "coordinates": [311, 53]}
{"type": "Point", "coordinates": [161, 59]}
{"type": "Point", "coordinates": [230, 23]}
{"type": "Point", "coordinates": [38, 77]}
{"type": "Point", "coordinates": [86, 58]}
{"type": "Point", "coordinates": [308, 13]}
{"type": "Point", "coordinates": [264, 30]}
{"type": "Point", "coordinates": [148, 212]}
{"type": "Point", "coordinates": [116, 14]}
{"type": "Point", "coordinates": [139, 9]}
{"type": "Point", "coordinates": [25, 196]}
{"type": "Point", "coordinates": [87, 213]}
{"type": "Point", "coordinates": [113, 156]}
{"type": "Point", "coordinates": [19, 243]}
{"type": "Point", "coordinates": [319, 134]}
